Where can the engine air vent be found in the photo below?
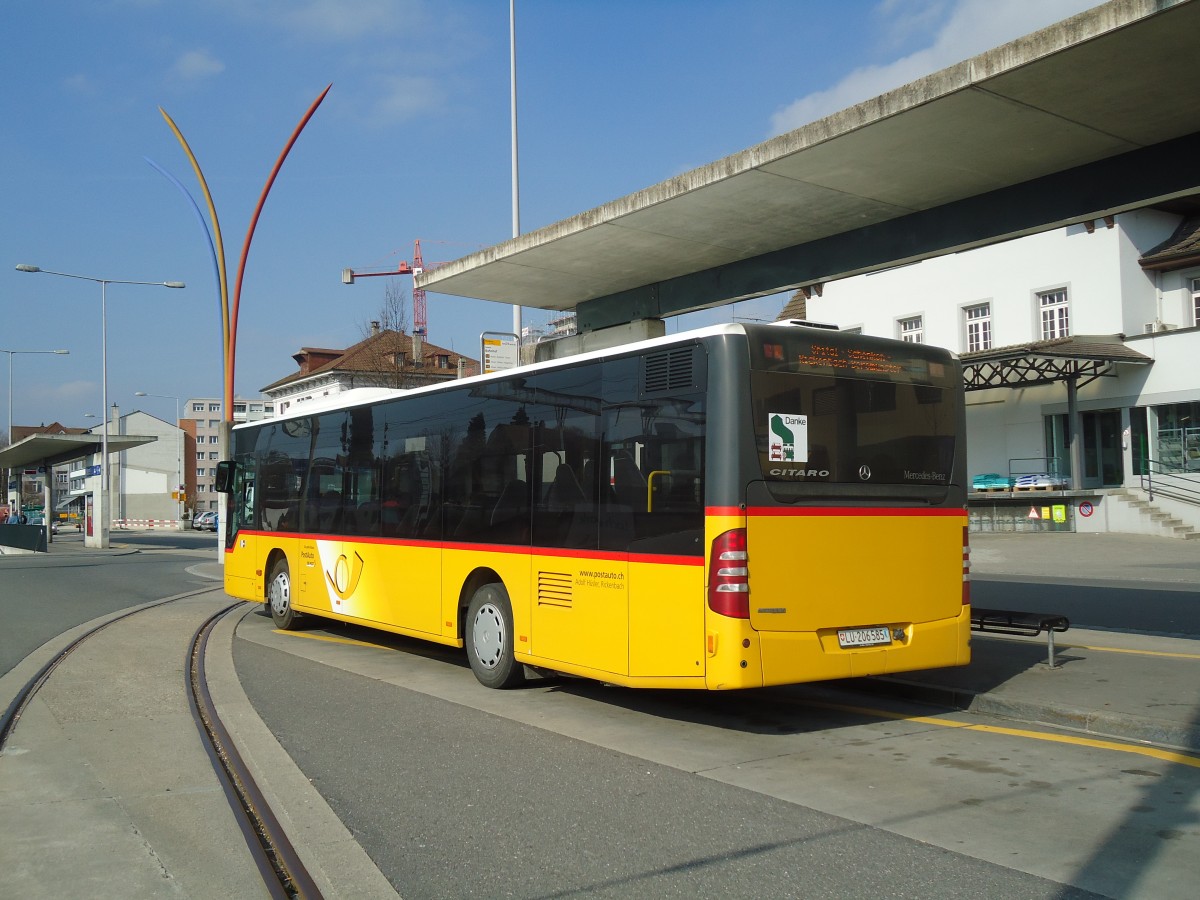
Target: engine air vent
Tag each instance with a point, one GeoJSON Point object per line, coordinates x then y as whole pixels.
{"type": "Point", "coordinates": [670, 370]}
{"type": "Point", "coordinates": [555, 589]}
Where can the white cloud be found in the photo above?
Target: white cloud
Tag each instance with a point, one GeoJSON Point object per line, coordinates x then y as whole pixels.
{"type": "Point", "coordinates": [79, 84]}
{"type": "Point", "coordinates": [959, 30]}
{"type": "Point", "coordinates": [405, 98]}
{"type": "Point", "coordinates": [197, 64]}
{"type": "Point", "coordinates": [80, 393]}
{"type": "Point", "coordinates": [337, 20]}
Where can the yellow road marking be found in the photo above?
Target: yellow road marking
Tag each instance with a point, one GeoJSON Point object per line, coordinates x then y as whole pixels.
{"type": "Point", "coordinates": [1058, 646]}
{"type": "Point", "coordinates": [330, 638]}
{"type": "Point", "coordinates": [1126, 650]}
{"type": "Point", "coordinates": [1174, 756]}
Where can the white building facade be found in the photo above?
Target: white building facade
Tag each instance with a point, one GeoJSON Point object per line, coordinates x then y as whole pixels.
{"type": "Point", "coordinates": [1128, 283]}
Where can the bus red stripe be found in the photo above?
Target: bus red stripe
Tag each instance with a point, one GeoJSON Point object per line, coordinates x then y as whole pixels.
{"type": "Point", "coordinates": [612, 555]}
{"type": "Point", "coordinates": [833, 511]}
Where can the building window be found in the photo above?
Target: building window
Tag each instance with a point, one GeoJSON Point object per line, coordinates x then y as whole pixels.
{"type": "Point", "coordinates": [1196, 301]}
{"type": "Point", "coordinates": [978, 320]}
{"type": "Point", "coordinates": [197, 407]}
{"type": "Point", "coordinates": [1055, 321]}
{"type": "Point", "coordinates": [213, 455]}
{"type": "Point", "coordinates": [853, 329]}
{"type": "Point", "coordinates": [911, 329]}
{"type": "Point", "coordinates": [214, 423]}
{"type": "Point", "coordinates": [443, 361]}
{"type": "Point", "coordinates": [200, 455]}
{"type": "Point", "coordinates": [212, 438]}
{"type": "Point", "coordinates": [214, 407]}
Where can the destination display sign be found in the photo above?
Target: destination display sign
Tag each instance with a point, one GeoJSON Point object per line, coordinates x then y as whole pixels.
{"type": "Point", "coordinates": [880, 361]}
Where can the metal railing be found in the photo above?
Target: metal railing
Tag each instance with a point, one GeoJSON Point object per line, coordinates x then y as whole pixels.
{"type": "Point", "coordinates": [1170, 481]}
{"type": "Point", "coordinates": [1042, 465]}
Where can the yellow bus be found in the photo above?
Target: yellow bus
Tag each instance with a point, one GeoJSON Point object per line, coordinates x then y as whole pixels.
{"type": "Point", "coordinates": [733, 507]}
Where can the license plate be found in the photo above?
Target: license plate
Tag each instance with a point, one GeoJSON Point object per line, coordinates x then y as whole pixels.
{"type": "Point", "coordinates": [864, 637]}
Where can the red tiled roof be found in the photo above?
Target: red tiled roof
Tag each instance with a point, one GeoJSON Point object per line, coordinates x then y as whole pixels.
{"type": "Point", "coordinates": [377, 354]}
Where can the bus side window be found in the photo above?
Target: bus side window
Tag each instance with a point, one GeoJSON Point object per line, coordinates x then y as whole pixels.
{"type": "Point", "coordinates": [653, 481]}
{"type": "Point", "coordinates": [242, 496]}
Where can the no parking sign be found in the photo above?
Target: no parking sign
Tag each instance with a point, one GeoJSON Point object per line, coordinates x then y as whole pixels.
{"type": "Point", "coordinates": [1086, 509]}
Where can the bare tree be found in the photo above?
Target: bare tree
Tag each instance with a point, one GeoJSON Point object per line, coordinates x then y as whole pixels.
{"type": "Point", "coordinates": [389, 357]}
{"type": "Point", "coordinates": [392, 314]}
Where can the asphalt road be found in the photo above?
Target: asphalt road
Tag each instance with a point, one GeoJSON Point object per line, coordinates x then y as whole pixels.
{"type": "Point", "coordinates": [450, 801]}
{"type": "Point", "coordinates": [1153, 608]}
{"type": "Point", "coordinates": [570, 788]}
{"type": "Point", "coordinates": [42, 596]}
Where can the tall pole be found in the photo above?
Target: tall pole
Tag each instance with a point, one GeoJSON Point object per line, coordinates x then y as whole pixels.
{"type": "Point", "coordinates": [179, 499]}
{"type": "Point", "coordinates": [104, 484]}
{"type": "Point", "coordinates": [516, 194]}
{"type": "Point", "coordinates": [101, 540]}
{"type": "Point", "coordinates": [8, 474]}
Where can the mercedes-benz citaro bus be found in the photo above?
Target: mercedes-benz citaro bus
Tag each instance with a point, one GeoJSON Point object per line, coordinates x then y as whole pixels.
{"type": "Point", "coordinates": [733, 507]}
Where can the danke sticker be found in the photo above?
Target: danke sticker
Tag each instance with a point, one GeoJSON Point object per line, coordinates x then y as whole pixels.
{"type": "Point", "coordinates": [788, 437]}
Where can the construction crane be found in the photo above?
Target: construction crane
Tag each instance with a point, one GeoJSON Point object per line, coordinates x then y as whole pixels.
{"type": "Point", "coordinates": [416, 267]}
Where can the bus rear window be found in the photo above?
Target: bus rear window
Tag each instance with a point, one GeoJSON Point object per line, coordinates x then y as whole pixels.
{"type": "Point", "coordinates": [863, 413]}
{"type": "Point", "coordinates": [818, 428]}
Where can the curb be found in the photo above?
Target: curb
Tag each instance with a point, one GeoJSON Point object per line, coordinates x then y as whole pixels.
{"type": "Point", "coordinates": [1097, 723]}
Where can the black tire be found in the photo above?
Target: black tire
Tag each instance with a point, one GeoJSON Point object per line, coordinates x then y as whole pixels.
{"type": "Point", "coordinates": [279, 597]}
{"type": "Point", "coordinates": [489, 638]}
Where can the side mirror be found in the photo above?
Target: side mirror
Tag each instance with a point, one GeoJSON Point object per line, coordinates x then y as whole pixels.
{"type": "Point", "coordinates": [225, 472]}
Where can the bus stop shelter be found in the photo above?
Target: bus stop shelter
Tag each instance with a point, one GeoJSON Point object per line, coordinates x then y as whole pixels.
{"type": "Point", "coordinates": [45, 451]}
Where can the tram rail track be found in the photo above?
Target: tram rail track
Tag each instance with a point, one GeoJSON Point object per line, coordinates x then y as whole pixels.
{"type": "Point", "coordinates": [283, 872]}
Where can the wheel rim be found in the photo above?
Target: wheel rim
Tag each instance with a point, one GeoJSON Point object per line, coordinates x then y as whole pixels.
{"type": "Point", "coordinates": [280, 593]}
{"type": "Point", "coordinates": [487, 636]}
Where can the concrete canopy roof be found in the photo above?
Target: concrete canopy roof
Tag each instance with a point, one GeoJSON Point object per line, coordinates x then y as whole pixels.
{"type": "Point", "coordinates": [1092, 116]}
{"type": "Point", "coordinates": [54, 449]}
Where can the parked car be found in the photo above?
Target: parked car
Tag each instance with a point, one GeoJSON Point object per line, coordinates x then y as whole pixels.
{"type": "Point", "coordinates": [205, 521]}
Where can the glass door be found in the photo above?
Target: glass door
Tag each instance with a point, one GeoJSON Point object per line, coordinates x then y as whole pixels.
{"type": "Point", "coordinates": [1102, 465]}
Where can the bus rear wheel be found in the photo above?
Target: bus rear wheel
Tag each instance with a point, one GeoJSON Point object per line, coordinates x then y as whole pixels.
{"type": "Point", "coordinates": [489, 638]}
{"type": "Point", "coordinates": [279, 596]}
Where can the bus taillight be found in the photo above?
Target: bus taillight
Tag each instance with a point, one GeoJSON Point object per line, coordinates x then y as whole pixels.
{"type": "Point", "coordinates": [966, 597]}
{"type": "Point", "coordinates": [728, 578]}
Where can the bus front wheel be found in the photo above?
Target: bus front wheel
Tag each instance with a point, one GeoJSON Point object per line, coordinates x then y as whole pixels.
{"type": "Point", "coordinates": [489, 638]}
{"type": "Point", "coordinates": [279, 596]}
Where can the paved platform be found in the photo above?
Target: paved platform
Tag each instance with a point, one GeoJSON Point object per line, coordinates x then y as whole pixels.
{"type": "Point", "coordinates": [1112, 684]}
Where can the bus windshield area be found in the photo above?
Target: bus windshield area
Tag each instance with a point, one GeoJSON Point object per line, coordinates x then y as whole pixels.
{"type": "Point", "coordinates": [837, 410]}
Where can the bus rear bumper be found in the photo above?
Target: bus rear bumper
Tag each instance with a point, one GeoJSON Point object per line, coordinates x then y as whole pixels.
{"type": "Point", "coordinates": [796, 657]}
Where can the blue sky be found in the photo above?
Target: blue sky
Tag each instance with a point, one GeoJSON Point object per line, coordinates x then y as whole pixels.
{"type": "Point", "coordinates": [412, 142]}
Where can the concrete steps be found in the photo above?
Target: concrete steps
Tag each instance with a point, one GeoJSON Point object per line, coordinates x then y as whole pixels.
{"type": "Point", "coordinates": [1158, 521]}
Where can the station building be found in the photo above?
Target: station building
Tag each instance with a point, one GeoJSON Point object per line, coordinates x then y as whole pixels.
{"type": "Point", "coordinates": [1109, 309]}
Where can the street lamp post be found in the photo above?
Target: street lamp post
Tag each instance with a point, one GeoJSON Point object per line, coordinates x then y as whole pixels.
{"type": "Point", "coordinates": [178, 450]}
{"type": "Point", "coordinates": [102, 517]}
{"type": "Point", "coordinates": [10, 384]}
